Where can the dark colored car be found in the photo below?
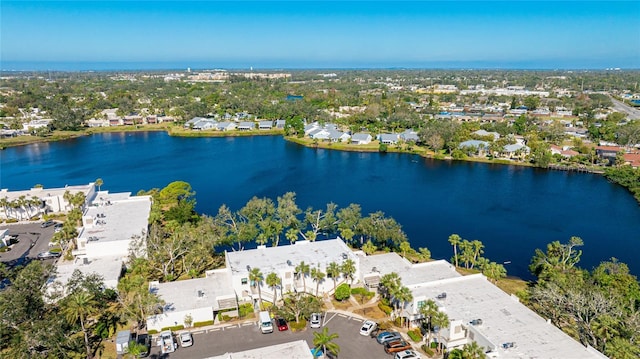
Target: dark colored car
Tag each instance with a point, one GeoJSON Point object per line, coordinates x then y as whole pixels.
{"type": "Point", "coordinates": [282, 324]}
{"type": "Point", "coordinates": [396, 346]}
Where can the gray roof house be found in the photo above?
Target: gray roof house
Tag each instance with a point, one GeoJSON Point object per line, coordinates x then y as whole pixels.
{"type": "Point", "coordinates": [388, 138]}
{"type": "Point", "coordinates": [280, 123]}
{"type": "Point", "coordinates": [338, 136]}
{"type": "Point", "coordinates": [246, 126]}
{"type": "Point", "coordinates": [409, 136]}
{"type": "Point", "coordinates": [226, 126]}
{"type": "Point", "coordinates": [474, 144]}
{"type": "Point", "coordinates": [483, 133]}
{"type": "Point", "coordinates": [265, 125]}
{"type": "Point", "coordinates": [319, 134]}
{"type": "Point", "coordinates": [361, 138]}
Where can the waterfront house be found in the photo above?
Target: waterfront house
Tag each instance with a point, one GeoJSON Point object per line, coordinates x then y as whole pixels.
{"type": "Point", "coordinates": [246, 126]}
{"type": "Point", "coordinates": [409, 136]}
{"type": "Point", "coordinates": [388, 138]}
{"type": "Point", "coordinates": [319, 134]}
{"type": "Point", "coordinates": [280, 123]}
{"type": "Point", "coordinates": [226, 126]}
{"type": "Point", "coordinates": [338, 136]}
{"type": "Point", "coordinates": [476, 147]}
{"type": "Point", "coordinates": [265, 125]}
{"type": "Point", "coordinates": [515, 151]}
{"type": "Point", "coordinates": [361, 138]}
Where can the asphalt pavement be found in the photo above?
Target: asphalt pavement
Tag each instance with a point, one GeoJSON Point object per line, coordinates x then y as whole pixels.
{"type": "Point", "coordinates": [246, 336]}
{"type": "Point", "coordinates": [32, 239]}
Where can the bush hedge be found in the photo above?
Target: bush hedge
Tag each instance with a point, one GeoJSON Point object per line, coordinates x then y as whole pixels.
{"type": "Point", "coordinates": [152, 331]}
{"type": "Point", "coordinates": [342, 292]}
{"type": "Point", "coordinates": [245, 309]}
{"type": "Point", "coordinates": [415, 335]}
{"type": "Point", "coordinates": [298, 326]}
{"type": "Point", "coordinates": [173, 328]}
{"type": "Point", "coordinates": [385, 308]}
{"type": "Point", "coordinates": [203, 324]}
{"type": "Point", "coordinates": [425, 348]}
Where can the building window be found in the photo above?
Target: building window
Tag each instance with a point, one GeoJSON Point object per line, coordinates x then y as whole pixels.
{"type": "Point", "coordinates": [421, 304]}
{"type": "Point", "coordinates": [245, 281]}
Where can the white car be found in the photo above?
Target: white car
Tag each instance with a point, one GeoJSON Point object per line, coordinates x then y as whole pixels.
{"type": "Point", "coordinates": [315, 321]}
{"type": "Point", "coordinates": [407, 354]}
{"type": "Point", "coordinates": [186, 340]}
{"type": "Point", "coordinates": [368, 327]}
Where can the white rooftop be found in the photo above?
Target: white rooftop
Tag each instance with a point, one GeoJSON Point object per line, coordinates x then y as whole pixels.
{"type": "Point", "coordinates": [316, 254]}
{"type": "Point", "coordinates": [124, 217]}
{"type": "Point", "coordinates": [195, 293]}
{"type": "Point", "coordinates": [411, 274]}
{"type": "Point", "coordinates": [504, 319]}
{"type": "Point", "coordinates": [109, 268]}
{"type": "Point", "coordinates": [45, 192]}
{"type": "Point", "coordinates": [292, 350]}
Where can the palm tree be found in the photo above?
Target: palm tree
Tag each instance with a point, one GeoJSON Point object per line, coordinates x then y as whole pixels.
{"type": "Point", "coordinates": [473, 351]}
{"type": "Point", "coordinates": [389, 283]}
{"type": "Point", "coordinates": [428, 310]}
{"type": "Point", "coordinates": [401, 297]}
{"type": "Point", "coordinates": [134, 350]}
{"type": "Point", "coordinates": [99, 183]}
{"type": "Point", "coordinates": [273, 280]}
{"type": "Point", "coordinates": [440, 320]}
{"type": "Point", "coordinates": [256, 277]}
{"type": "Point", "coordinates": [494, 271]}
{"type": "Point", "coordinates": [4, 203]}
{"type": "Point", "coordinates": [318, 276]}
{"type": "Point", "coordinates": [325, 341]}
{"type": "Point", "coordinates": [78, 307]}
{"type": "Point", "coordinates": [302, 269]}
{"type": "Point", "coordinates": [333, 270]}
{"type": "Point", "coordinates": [348, 268]}
{"type": "Point", "coordinates": [455, 240]}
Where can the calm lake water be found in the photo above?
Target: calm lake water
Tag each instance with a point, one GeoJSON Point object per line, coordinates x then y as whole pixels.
{"type": "Point", "coordinates": [511, 209]}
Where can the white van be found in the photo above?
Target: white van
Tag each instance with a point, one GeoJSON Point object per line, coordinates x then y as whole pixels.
{"type": "Point", "coordinates": [266, 326]}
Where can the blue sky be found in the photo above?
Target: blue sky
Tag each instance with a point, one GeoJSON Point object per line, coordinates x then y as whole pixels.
{"type": "Point", "coordinates": [515, 34]}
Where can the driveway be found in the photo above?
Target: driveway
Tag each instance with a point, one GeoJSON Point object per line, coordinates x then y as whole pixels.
{"type": "Point", "coordinates": [32, 239]}
{"type": "Point", "coordinates": [240, 337]}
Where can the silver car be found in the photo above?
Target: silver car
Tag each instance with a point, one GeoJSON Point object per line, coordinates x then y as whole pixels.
{"type": "Point", "coordinates": [316, 320]}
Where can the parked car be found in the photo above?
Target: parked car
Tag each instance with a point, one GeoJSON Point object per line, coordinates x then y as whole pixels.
{"type": "Point", "coordinates": [396, 346]}
{"type": "Point", "coordinates": [282, 324]}
{"type": "Point", "coordinates": [48, 255]}
{"type": "Point", "coordinates": [388, 337]}
{"type": "Point", "coordinates": [316, 320]}
{"type": "Point", "coordinates": [368, 327]}
{"type": "Point", "coordinates": [186, 340]}
{"type": "Point", "coordinates": [406, 354]}
{"type": "Point", "coordinates": [47, 223]}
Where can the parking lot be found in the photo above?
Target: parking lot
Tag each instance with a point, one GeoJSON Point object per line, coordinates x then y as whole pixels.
{"type": "Point", "coordinates": [32, 239]}
{"type": "Point", "coordinates": [240, 337]}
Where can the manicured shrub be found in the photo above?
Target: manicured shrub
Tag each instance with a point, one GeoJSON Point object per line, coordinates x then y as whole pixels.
{"type": "Point", "coordinates": [203, 324]}
{"type": "Point", "coordinates": [343, 292]}
{"type": "Point", "coordinates": [12, 220]}
{"type": "Point", "coordinates": [415, 335]}
{"type": "Point", "coordinates": [425, 348]}
{"type": "Point", "coordinates": [153, 331]}
{"type": "Point", "coordinates": [385, 308]}
{"type": "Point", "coordinates": [173, 328]}
{"type": "Point", "coordinates": [294, 327]}
{"type": "Point", "coordinates": [245, 309]}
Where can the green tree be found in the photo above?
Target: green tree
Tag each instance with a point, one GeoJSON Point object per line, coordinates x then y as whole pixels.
{"type": "Point", "coordinates": [559, 258]}
{"type": "Point", "coordinates": [299, 305]}
{"type": "Point", "coordinates": [325, 341]}
{"type": "Point", "coordinates": [303, 270]}
{"type": "Point", "coordinates": [455, 241]}
{"type": "Point", "coordinates": [348, 268]}
{"type": "Point", "coordinates": [318, 276]}
{"type": "Point", "coordinates": [99, 182]}
{"type": "Point", "coordinates": [342, 292]}
{"type": "Point", "coordinates": [369, 248]}
{"type": "Point", "coordinates": [79, 307]}
{"type": "Point", "coordinates": [333, 271]}
{"type": "Point", "coordinates": [273, 281]}
{"type": "Point", "coordinates": [440, 320]}
{"type": "Point", "coordinates": [494, 271]}
{"type": "Point", "coordinates": [256, 278]}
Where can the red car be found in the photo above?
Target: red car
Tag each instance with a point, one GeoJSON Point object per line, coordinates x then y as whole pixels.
{"type": "Point", "coordinates": [396, 346]}
{"type": "Point", "coordinates": [282, 324]}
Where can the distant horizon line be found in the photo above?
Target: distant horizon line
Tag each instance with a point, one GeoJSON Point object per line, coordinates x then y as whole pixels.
{"type": "Point", "coordinates": [109, 66]}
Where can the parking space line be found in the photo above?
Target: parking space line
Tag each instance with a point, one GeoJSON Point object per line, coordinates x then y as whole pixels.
{"type": "Point", "coordinates": [246, 324]}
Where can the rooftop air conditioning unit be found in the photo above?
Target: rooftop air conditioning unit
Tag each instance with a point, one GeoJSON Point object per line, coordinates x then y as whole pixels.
{"type": "Point", "coordinates": [344, 256]}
